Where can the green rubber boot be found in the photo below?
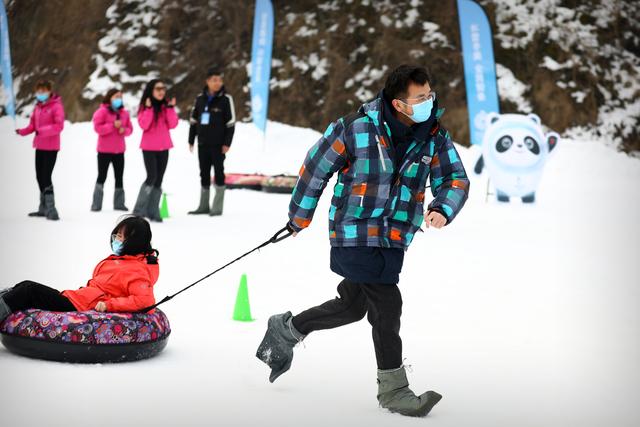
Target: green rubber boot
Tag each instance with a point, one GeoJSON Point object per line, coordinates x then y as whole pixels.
{"type": "Point", "coordinates": [203, 208]}
{"type": "Point", "coordinates": [218, 201]}
{"type": "Point", "coordinates": [395, 395]}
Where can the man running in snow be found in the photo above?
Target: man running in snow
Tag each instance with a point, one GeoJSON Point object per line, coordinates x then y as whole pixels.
{"type": "Point", "coordinates": [383, 155]}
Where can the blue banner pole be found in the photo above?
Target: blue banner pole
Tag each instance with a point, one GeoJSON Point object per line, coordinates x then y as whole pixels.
{"type": "Point", "coordinates": [479, 66]}
{"type": "Point", "coordinates": [261, 62]}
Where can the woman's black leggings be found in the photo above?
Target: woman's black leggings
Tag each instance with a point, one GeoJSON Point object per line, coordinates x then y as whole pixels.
{"type": "Point", "coordinates": [155, 162]}
{"type": "Point", "coordinates": [30, 294]}
{"type": "Point", "coordinates": [104, 159]}
{"type": "Point", "coordinates": [45, 162]}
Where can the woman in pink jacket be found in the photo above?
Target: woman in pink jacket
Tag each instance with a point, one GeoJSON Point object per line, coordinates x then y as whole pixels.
{"type": "Point", "coordinates": [47, 121]}
{"type": "Point", "coordinates": [112, 123]}
{"type": "Point", "coordinates": [156, 116]}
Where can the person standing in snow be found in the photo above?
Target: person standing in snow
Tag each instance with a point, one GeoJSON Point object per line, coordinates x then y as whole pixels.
{"type": "Point", "coordinates": [112, 124]}
{"type": "Point", "coordinates": [156, 117]}
{"type": "Point", "coordinates": [383, 155]}
{"type": "Point", "coordinates": [47, 122]}
{"type": "Point", "coordinates": [122, 282]}
{"type": "Point", "coordinates": [213, 121]}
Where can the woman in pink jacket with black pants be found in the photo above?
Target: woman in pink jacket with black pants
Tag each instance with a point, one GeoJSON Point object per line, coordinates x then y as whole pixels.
{"type": "Point", "coordinates": [47, 121]}
{"type": "Point", "coordinates": [156, 116]}
{"type": "Point", "coordinates": [112, 123]}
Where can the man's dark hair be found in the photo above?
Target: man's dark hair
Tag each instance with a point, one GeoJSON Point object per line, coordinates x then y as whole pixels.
{"type": "Point", "coordinates": [137, 235]}
{"type": "Point", "coordinates": [214, 71]}
{"type": "Point", "coordinates": [109, 94]}
{"type": "Point", "coordinates": [398, 81]}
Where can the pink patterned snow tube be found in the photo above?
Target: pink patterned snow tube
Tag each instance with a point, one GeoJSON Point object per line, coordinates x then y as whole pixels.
{"type": "Point", "coordinates": [87, 336]}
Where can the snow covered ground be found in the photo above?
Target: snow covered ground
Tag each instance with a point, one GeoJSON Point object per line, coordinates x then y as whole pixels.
{"type": "Point", "coordinates": [519, 315]}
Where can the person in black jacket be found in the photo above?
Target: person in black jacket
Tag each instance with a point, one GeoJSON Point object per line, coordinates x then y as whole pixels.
{"type": "Point", "coordinates": [213, 122]}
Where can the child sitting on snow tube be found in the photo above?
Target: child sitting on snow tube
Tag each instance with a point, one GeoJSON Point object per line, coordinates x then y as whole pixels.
{"type": "Point", "coordinates": [123, 282]}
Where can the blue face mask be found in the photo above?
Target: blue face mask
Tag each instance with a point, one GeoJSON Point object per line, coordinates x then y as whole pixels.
{"type": "Point", "coordinates": [42, 97]}
{"type": "Point", "coordinates": [117, 246]}
{"type": "Point", "coordinates": [421, 111]}
{"type": "Point", "coordinates": [116, 103]}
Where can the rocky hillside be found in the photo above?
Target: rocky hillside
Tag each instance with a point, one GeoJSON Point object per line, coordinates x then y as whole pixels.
{"type": "Point", "coordinates": [574, 63]}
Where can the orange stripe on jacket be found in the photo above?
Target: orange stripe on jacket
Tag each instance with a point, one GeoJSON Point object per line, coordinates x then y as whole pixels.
{"type": "Point", "coordinates": [456, 183]}
{"type": "Point", "coordinates": [301, 222]}
{"type": "Point", "coordinates": [359, 189]}
{"type": "Point", "coordinates": [384, 142]}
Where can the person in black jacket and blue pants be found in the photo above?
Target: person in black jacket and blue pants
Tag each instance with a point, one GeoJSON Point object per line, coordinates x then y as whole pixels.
{"type": "Point", "coordinates": [212, 120]}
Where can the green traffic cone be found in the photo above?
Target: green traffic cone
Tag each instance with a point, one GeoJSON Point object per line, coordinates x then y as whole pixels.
{"type": "Point", "coordinates": [164, 207]}
{"type": "Point", "coordinates": [242, 311]}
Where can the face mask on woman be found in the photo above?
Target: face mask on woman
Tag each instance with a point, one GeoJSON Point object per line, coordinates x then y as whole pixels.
{"type": "Point", "coordinates": [42, 96]}
{"type": "Point", "coordinates": [116, 103]}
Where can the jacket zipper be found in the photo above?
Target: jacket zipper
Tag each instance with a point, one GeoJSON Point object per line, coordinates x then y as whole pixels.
{"type": "Point", "coordinates": [384, 166]}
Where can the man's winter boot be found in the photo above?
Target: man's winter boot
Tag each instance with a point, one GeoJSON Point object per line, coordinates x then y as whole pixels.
{"type": "Point", "coordinates": [40, 211]}
{"type": "Point", "coordinates": [98, 193]}
{"type": "Point", "coordinates": [204, 202]}
{"type": "Point", "coordinates": [4, 310]}
{"type": "Point", "coordinates": [276, 348]}
{"type": "Point", "coordinates": [218, 201]}
{"type": "Point", "coordinates": [142, 201]}
{"type": "Point", "coordinates": [118, 200]}
{"type": "Point", "coordinates": [50, 210]}
{"type": "Point", "coordinates": [395, 395]}
{"type": "Point", "coordinates": [153, 207]}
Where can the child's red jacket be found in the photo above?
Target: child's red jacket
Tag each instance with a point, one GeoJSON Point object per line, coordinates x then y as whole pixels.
{"type": "Point", "coordinates": [124, 283]}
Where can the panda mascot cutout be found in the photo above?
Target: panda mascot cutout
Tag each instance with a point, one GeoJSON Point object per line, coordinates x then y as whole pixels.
{"type": "Point", "coordinates": [514, 150]}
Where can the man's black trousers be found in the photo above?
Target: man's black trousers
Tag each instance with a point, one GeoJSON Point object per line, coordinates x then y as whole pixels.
{"type": "Point", "coordinates": [382, 303]}
{"type": "Point", "coordinates": [211, 155]}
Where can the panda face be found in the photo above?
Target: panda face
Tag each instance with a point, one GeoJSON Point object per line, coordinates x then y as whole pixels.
{"type": "Point", "coordinates": [506, 142]}
{"type": "Point", "coordinates": [514, 142]}
{"type": "Point", "coordinates": [518, 148]}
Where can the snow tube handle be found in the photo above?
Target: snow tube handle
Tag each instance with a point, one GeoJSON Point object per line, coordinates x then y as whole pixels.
{"type": "Point", "coordinates": [278, 238]}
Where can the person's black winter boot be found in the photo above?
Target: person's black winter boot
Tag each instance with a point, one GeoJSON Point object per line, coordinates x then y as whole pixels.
{"type": "Point", "coordinates": [395, 395]}
{"type": "Point", "coordinates": [40, 211]}
{"type": "Point", "coordinates": [276, 348]}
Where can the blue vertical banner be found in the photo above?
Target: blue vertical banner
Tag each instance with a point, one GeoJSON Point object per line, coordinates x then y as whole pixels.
{"type": "Point", "coordinates": [261, 62]}
{"type": "Point", "coordinates": [5, 63]}
{"type": "Point", "coordinates": [479, 66]}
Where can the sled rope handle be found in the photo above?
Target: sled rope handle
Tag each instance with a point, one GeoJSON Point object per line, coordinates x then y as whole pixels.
{"type": "Point", "coordinates": [278, 237]}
